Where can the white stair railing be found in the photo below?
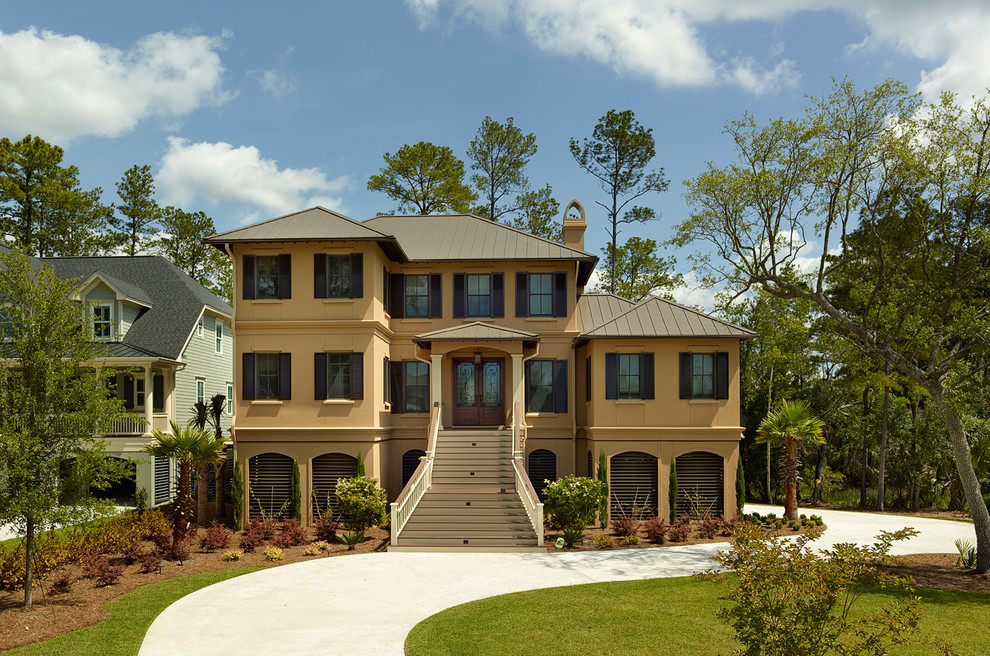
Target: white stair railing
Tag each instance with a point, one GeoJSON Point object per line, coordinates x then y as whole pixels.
{"type": "Point", "coordinates": [419, 482]}
{"type": "Point", "coordinates": [524, 488]}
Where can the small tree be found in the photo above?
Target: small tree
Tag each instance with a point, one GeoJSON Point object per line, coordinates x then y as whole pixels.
{"type": "Point", "coordinates": [572, 501]}
{"type": "Point", "coordinates": [603, 479]}
{"type": "Point", "coordinates": [362, 503]}
{"type": "Point", "coordinates": [787, 599]}
{"type": "Point", "coordinates": [791, 426]}
{"type": "Point", "coordinates": [216, 411]}
{"type": "Point", "coordinates": [237, 496]}
{"type": "Point", "coordinates": [740, 485]}
{"type": "Point", "coordinates": [295, 494]}
{"type": "Point", "coordinates": [51, 405]}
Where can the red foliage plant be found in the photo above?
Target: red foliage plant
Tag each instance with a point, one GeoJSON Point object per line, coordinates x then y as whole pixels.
{"type": "Point", "coordinates": [656, 530]}
{"type": "Point", "coordinates": [215, 537]}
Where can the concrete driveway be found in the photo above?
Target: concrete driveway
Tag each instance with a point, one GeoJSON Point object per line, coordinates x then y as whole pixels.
{"type": "Point", "coordinates": [367, 604]}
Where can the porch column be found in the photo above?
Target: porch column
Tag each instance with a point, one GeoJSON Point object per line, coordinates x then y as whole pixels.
{"type": "Point", "coordinates": [149, 400]}
{"type": "Point", "coordinates": [518, 394]}
{"type": "Point", "coordinates": [436, 374]}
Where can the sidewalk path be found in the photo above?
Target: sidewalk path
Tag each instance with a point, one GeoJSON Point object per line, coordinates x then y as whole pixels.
{"type": "Point", "coordinates": [367, 604]}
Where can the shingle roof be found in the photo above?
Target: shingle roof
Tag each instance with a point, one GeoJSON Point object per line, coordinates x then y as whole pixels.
{"type": "Point", "coordinates": [658, 317]}
{"type": "Point", "coordinates": [477, 331]}
{"type": "Point", "coordinates": [314, 224]}
{"type": "Point", "coordinates": [175, 299]}
{"type": "Point", "coordinates": [127, 289]}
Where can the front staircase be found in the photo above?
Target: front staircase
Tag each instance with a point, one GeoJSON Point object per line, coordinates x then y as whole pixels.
{"type": "Point", "coordinates": [472, 502]}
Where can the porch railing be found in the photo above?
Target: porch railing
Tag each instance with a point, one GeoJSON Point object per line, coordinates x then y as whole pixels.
{"type": "Point", "coordinates": [420, 482]}
{"type": "Point", "coordinates": [524, 487]}
{"type": "Point", "coordinates": [129, 424]}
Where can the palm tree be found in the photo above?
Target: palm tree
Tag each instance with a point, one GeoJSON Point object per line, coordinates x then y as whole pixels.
{"type": "Point", "coordinates": [214, 415]}
{"type": "Point", "coordinates": [209, 452]}
{"type": "Point", "coordinates": [791, 426]}
{"type": "Point", "coordinates": [182, 445]}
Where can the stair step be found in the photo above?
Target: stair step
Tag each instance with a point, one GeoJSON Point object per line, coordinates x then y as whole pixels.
{"type": "Point", "coordinates": [411, 535]}
{"type": "Point", "coordinates": [470, 542]}
{"type": "Point", "coordinates": [467, 525]}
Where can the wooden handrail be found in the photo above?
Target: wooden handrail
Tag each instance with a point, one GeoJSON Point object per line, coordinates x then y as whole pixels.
{"type": "Point", "coordinates": [419, 482]}
{"type": "Point", "coordinates": [431, 441]}
{"type": "Point", "coordinates": [405, 491]}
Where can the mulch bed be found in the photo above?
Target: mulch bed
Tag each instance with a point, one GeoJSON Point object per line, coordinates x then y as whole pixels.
{"type": "Point", "coordinates": [591, 534]}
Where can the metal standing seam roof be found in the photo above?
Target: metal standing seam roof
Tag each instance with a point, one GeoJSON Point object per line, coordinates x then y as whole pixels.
{"type": "Point", "coordinates": [477, 331]}
{"type": "Point", "coordinates": [595, 309]}
{"type": "Point", "coordinates": [314, 224]}
{"type": "Point", "coordinates": [658, 317]}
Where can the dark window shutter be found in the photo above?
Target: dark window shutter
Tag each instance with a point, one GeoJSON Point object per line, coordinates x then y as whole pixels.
{"type": "Point", "coordinates": [398, 295]}
{"type": "Point", "coordinates": [498, 294]}
{"type": "Point", "coordinates": [247, 283]}
{"type": "Point", "coordinates": [560, 294]}
{"type": "Point", "coordinates": [587, 384]}
{"type": "Point", "coordinates": [357, 275]}
{"type": "Point", "coordinates": [526, 382]}
{"type": "Point", "coordinates": [560, 386]}
{"type": "Point", "coordinates": [284, 376]}
{"type": "Point", "coordinates": [386, 291]}
{"type": "Point", "coordinates": [459, 295]}
{"type": "Point", "coordinates": [320, 275]}
{"type": "Point", "coordinates": [128, 392]}
{"type": "Point", "coordinates": [285, 276]}
{"type": "Point", "coordinates": [386, 388]}
{"type": "Point", "coordinates": [522, 294]}
{"type": "Point", "coordinates": [646, 369]}
{"type": "Point", "coordinates": [436, 296]}
{"type": "Point", "coordinates": [158, 383]}
{"type": "Point", "coordinates": [611, 376]}
{"type": "Point", "coordinates": [395, 381]}
{"type": "Point", "coordinates": [320, 376]}
{"type": "Point", "coordinates": [247, 377]}
{"type": "Point", "coordinates": [357, 376]}
{"type": "Point", "coordinates": [721, 375]}
{"type": "Point", "coordinates": [685, 375]}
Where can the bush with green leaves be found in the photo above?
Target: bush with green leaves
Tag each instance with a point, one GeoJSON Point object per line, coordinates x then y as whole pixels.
{"type": "Point", "coordinates": [787, 599]}
{"type": "Point", "coordinates": [362, 503]}
{"type": "Point", "coordinates": [572, 501]}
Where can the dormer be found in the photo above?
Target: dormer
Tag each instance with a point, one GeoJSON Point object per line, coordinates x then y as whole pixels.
{"type": "Point", "coordinates": [112, 305]}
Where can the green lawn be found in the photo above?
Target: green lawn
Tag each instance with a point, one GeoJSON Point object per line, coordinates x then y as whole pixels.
{"type": "Point", "coordinates": [128, 619]}
{"type": "Point", "coordinates": [661, 616]}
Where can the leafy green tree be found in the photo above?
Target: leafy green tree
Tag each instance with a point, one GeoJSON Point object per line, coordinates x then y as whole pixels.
{"type": "Point", "coordinates": [638, 270]}
{"type": "Point", "coordinates": [791, 426]}
{"type": "Point", "coordinates": [181, 241]}
{"type": "Point", "coordinates": [908, 288]}
{"type": "Point", "coordinates": [499, 154]}
{"type": "Point", "coordinates": [424, 178]}
{"type": "Point", "coordinates": [42, 207]}
{"type": "Point", "coordinates": [362, 503]}
{"type": "Point", "coordinates": [618, 155]}
{"type": "Point", "coordinates": [51, 405]}
{"type": "Point", "coordinates": [537, 214]}
{"type": "Point", "coordinates": [138, 209]}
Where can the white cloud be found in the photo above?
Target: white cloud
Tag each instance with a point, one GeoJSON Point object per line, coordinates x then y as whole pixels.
{"type": "Point", "coordinates": [63, 87]}
{"type": "Point", "coordinates": [221, 173]}
{"type": "Point", "coordinates": [694, 294]}
{"type": "Point", "coordinates": [664, 39]}
{"type": "Point", "coordinates": [275, 83]}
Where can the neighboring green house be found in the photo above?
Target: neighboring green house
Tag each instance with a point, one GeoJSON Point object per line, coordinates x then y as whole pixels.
{"type": "Point", "coordinates": [169, 340]}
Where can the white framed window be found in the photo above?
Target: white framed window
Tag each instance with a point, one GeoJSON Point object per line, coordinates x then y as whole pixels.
{"type": "Point", "coordinates": [102, 320]}
{"type": "Point", "coordinates": [230, 399]}
{"type": "Point", "coordinates": [201, 326]}
{"type": "Point", "coordinates": [201, 391]}
{"type": "Point", "coordinates": [219, 341]}
{"type": "Point", "coordinates": [138, 392]}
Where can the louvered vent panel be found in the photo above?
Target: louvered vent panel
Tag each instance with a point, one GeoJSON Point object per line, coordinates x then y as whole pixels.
{"type": "Point", "coordinates": [327, 470]}
{"type": "Point", "coordinates": [270, 481]}
{"type": "Point", "coordinates": [410, 461]}
{"type": "Point", "coordinates": [591, 472]}
{"type": "Point", "coordinates": [228, 469]}
{"type": "Point", "coordinates": [700, 483]}
{"type": "Point", "coordinates": [633, 484]}
{"type": "Point", "coordinates": [542, 468]}
{"type": "Point", "coordinates": [162, 480]}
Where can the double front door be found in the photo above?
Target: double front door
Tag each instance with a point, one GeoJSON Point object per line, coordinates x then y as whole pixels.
{"type": "Point", "coordinates": [479, 392]}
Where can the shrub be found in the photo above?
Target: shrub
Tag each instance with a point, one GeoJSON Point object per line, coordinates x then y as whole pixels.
{"type": "Point", "coordinates": [351, 539]}
{"type": "Point", "coordinates": [156, 527]}
{"type": "Point", "coordinates": [604, 541]}
{"type": "Point", "coordinates": [274, 554]}
{"type": "Point", "coordinates": [292, 533]}
{"type": "Point", "coordinates": [215, 537]}
{"type": "Point", "coordinates": [269, 527]}
{"type": "Point", "coordinates": [624, 525]}
{"type": "Point", "coordinates": [727, 527]}
{"type": "Point", "coordinates": [322, 545]}
{"type": "Point", "coordinates": [708, 527]}
{"type": "Point", "coordinates": [237, 496]}
{"type": "Point", "coordinates": [362, 502]}
{"type": "Point", "coordinates": [295, 494]}
{"type": "Point", "coordinates": [254, 535]}
{"type": "Point", "coordinates": [312, 550]}
{"type": "Point", "coordinates": [787, 598]}
{"type": "Point", "coordinates": [326, 528]}
{"type": "Point", "coordinates": [231, 556]}
{"type": "Point", "coordinates": [61, 583]}
{"type": "Point", "coordinates": [97, 566]}
{"type": "Point", "coordinates": [679, 532]}
{"type": "Point", "coordinates": [794, 525]}
{"type": "Point", "coordinates": [572, 501]}
{"type": "Point", "coordinates": [967, 554]}
{"type": "Point", "coordinates": [632, 539]}
{"type": "Point", "coordinates": [572, 534]}
{"type": "Point", "coordinates": [149, 562]}
{"type": "Point", "coordinates": [656, 530]}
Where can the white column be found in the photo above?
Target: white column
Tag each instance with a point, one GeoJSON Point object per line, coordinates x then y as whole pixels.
{"type": "Point", "coordinates": [436, 375]}
{"type": "Point", "coordinates": [518, 394]}
{"type": "Point", "coordinates": [149, 400]}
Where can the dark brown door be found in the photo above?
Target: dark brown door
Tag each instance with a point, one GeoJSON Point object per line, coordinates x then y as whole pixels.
{"type": "Point", "coordinates": [478, 390]}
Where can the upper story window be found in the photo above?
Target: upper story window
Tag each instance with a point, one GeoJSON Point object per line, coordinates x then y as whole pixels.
{"type": "Point", "coordinates": [201, 326]}
{"type": "Point", "coordinates": [201, 391]}
{"type": "Point", "coordinates": [339, 376]}
{"type": "Point", "coordinates": [102, 320]}
{"type": "Point", "coordinates": [338, 276]}
{"type": "Point", "coordinates": [546, 386]}
{"type": "Point", "coordinates": [409, 386]}
{"type": "Point", "coordinates": [266, 376]}
{"type": "Point", "coordinates": [230, 399]}
{"type": "Point", "coordinates": [541, 294]}
{"type": "Point", "coordinates": [629, 376]}
{"type": "Point", "coordinates": [218, 346]}
{"type": "Point", "coordinates": [267, 276]}
{"type": "Point", "coordinates": [479, 295]}
{"type": "Point", "coordinates": [414, 295]}
{"type": "Point", "coordinates": [417, 296]}
{"type": "Point", "coordinates": [704, 375]}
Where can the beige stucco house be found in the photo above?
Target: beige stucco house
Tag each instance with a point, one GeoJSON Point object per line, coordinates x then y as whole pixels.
{"type": "Point", "coordinates": [348, 334]}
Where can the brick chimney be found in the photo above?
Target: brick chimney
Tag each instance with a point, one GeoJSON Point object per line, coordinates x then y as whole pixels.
{"type": "Point", "coordinates": [574, 226]}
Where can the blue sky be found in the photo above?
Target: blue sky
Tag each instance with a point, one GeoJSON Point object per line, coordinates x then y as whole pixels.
{"type": "Point", "coordinates": [250, 110]}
